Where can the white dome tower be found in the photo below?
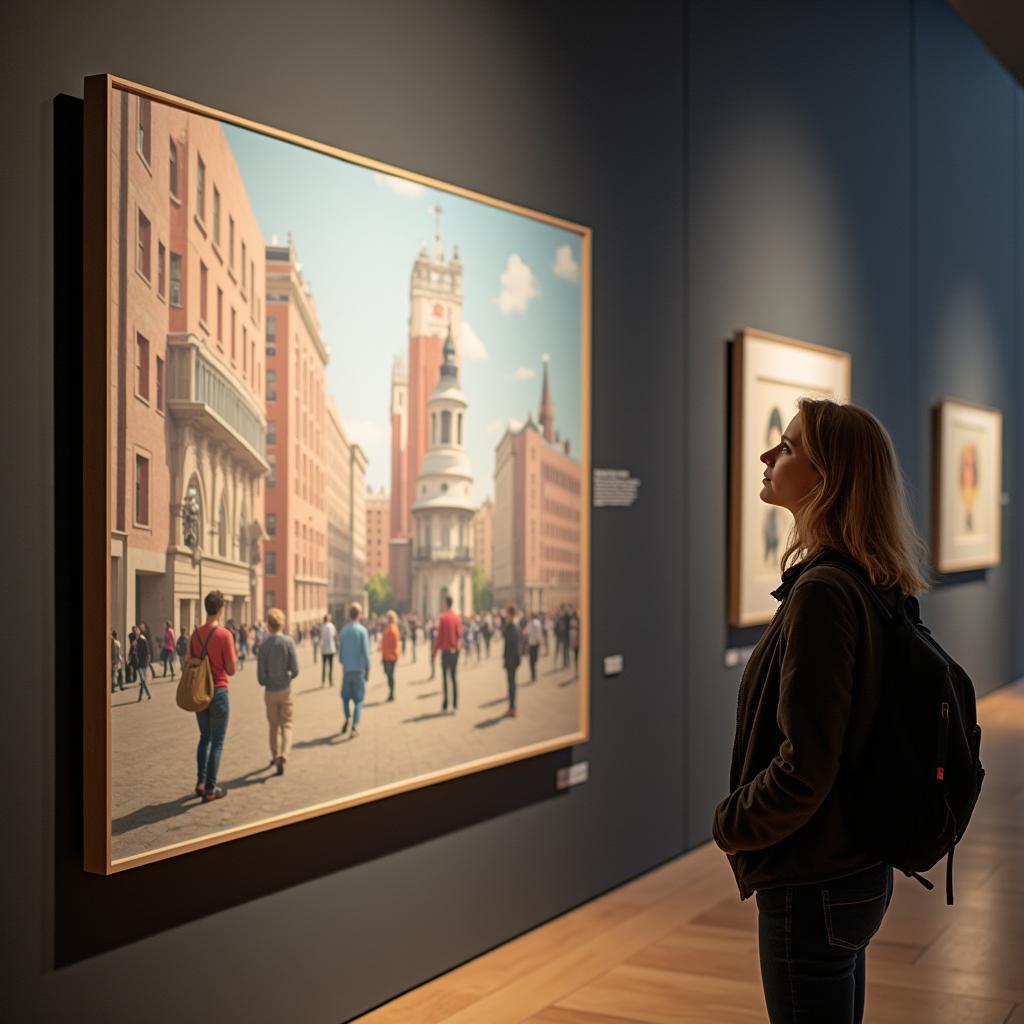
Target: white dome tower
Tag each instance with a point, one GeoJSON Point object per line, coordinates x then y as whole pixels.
{"type": "Point", "coordinates": [443, 508]}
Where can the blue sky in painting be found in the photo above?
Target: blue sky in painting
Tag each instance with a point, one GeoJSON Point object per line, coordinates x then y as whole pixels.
{"type": "Point", "coordinates": [357, 234]}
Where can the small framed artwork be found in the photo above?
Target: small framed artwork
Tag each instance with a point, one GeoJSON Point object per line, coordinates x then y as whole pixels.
{"type": "Point", "coordinates": [968, 453]}
{"type": "Point", "coordinates": [770, 374]}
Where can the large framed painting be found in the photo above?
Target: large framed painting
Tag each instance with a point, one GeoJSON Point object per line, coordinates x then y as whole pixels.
{"type": "Point", "coordinates": [770, 374]}
{"type": "Point", "coordinates": [317, 387]}
{"type": "Point", "coordinates": [967, 502]}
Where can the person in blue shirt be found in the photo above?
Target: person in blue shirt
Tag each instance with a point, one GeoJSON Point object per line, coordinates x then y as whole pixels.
{"type": "Point", "coordinates": [354, 646]}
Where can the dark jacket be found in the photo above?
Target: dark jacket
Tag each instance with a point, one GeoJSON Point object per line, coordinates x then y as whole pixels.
{"type": "Point", "coordinates": [510, 634]}
{"type": "Point", "coordinates": [807, 700]}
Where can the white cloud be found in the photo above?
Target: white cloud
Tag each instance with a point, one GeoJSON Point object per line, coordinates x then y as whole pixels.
{"type": "Point", "coordinates": [518, 286]}
{"type": "Point", "coordinates": [565, 265]}
{"type": "Point", "coordinates": [524, 373]}
{"type": "Point", "coordinates": [498, 426]}
{"type": "Point", "coordinates": [366, 433]}
{"type": "Point", "coordinates": [402, 186]}
{"type": "Point", "coordinates": [472, 347]}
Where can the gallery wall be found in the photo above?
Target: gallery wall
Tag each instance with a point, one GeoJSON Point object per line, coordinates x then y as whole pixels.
{"type": "Point", "coordinates": [534, 103]}
{"type": "Point", "coordinates": [843, 173]}
{"type": "Point", "coordinates": [853, 181]}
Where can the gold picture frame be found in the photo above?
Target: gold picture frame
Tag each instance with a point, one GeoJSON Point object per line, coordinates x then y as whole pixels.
{"type": "Point", "coordinates": [967, 486]}
{"type": "Point", "coordinates": [770, 373]}
{"type": "Point", "coordinates": [120, 116]}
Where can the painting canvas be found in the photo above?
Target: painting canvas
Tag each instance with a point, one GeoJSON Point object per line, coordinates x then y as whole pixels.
{"type": "Point", "coordinates": [770, 375]}
{"type": "Point", "coordinates": [968, 486]}
{"type": "Point", "coordinates": [314, 381]}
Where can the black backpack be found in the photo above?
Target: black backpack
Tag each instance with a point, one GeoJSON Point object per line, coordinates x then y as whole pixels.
{"type": "Point", "coordinates": [911, 798]}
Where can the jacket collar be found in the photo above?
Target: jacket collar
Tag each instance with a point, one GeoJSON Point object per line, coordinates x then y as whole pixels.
{"type": "Point", "coordinates": [794, 572]}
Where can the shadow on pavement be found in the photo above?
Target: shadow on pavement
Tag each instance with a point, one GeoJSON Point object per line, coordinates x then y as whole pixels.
{"type": "Point", "coordinates": [427, 696]}
{"type": "Point", "coordinates": [153, 813]}
{"type": "Point", "coordinates": [489, 723]}
{"type": "Point", "coordinates": [425, 717]}
{"type": "Point", "coordinates": [569, 682]}
{"type": "Point", "coordinates": [320, 741]}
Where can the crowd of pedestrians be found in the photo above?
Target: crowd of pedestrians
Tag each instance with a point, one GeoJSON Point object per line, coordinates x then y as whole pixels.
{"type": "Point", "coordinates": [453, 637]}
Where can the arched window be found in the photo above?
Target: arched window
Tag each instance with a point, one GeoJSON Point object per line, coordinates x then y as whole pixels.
{"type": "Point", "coordinates": [446, 427]}
{"type": "Point", "coordinates": [243, 538]}
{"type": "Point", "coordinates": [222, 529]}
{"type": "Point", "coordinates": [433, 428]}
{"type": "Point", "coordinates": [460, 429]}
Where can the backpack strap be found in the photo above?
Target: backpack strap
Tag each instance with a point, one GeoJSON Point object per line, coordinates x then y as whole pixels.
{"type": "Point", "coordinates": [854, 570]}
{"type": "Point", "coordinates": [205, 643]}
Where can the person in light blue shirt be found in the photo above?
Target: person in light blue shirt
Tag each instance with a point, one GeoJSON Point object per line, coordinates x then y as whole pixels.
{"type": "Point", "coordinates": [354, 646]}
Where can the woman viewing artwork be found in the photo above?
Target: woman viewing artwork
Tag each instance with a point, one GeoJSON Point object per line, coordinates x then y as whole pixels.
{"type": "Point", "coordinates": [807, 700]}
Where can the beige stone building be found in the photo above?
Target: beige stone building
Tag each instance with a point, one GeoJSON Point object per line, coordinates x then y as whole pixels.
{"type": "Point", "coordinates": [187, 377]}
{"type": "Point", "coordinates": [483, 539]}
{"type": "Point", "coordinates": [346, 517]}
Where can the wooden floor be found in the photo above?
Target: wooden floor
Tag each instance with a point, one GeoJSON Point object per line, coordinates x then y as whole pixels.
{"type": "Point", "coordinates": [677, 944]}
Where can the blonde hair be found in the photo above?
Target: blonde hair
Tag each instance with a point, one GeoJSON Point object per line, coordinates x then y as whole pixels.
{"type": "Point", "coordinates": [859, 505]}
{"type": "Point", "coordinates": [392, 616]}
{"type": "Point", "coordinates": [275, 618]}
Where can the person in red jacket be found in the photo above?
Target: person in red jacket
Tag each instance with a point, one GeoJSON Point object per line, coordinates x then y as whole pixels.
{"type": "Point", "coordinates": [447, 640]}
{"type": "Point", "coordinates": [389, 651]}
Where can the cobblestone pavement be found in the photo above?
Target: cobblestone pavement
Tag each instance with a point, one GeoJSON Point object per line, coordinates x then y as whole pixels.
{"type": "Point", "coordinates": [154, 742]}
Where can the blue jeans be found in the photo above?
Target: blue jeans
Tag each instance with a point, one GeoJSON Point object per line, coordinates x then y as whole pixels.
{"type": "Point", "coordinates": [449, 665]}
{"type": "Point", "coordinates": [812, 941]}
{"type": "Point", "coordinates": [353, 691]}
{"type": "Point", "coordinates": [143, 688]}
{"type": "Point", "coordinates": [213, 727]}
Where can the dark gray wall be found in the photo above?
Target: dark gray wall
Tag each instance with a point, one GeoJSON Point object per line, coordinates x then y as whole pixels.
{"type": "Point", "coordinates": [853, 180]}
{"type": "Point", "coordinates": [540, 104]}
{"type": "Point", "coordinates": [846, 170]}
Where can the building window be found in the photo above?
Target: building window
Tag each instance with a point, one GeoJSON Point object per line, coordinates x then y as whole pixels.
{"type": "Point", "coordinates": [243, 266]}
{"type": "Point", "coordinates": [433, 428]}
{"type": "Point", "coordinates": [141, 490]}
{"type": "Point", "coordinates": [142, 367]}
{"type": "Point", "coordinates": [271, 524]}
{"type": "Point", "coordinates": [231, 241]}
{"type": "Point", "coordinates": [252, 285]}
{"type": "Point", "coordinates": [272, 476]}
{"type": "Point", "coordinates": [271, 333]}
{"type": "Point", "coordinates": [142, 254]}
{"type": "Point", "coordinates": [159, 384]}
{"type": "Point", "coordinates": [161, 270]}
{"type": "Point", "coordinates": [175, 279]}
{"type": "Point", "coordinates": [245, 347]}
{"type": "Point", "coordinates": [271, 385]}
{"type": "Point", "coordinates": [216, 216]}
{"type": "Point", "coordinates": [142, 140]}
{"type": "Point", "coordinates": [446, 427]}
{"type": "Point", "coordinates": [268, 599]}
{"type": "Point", "coordinates": [200, 188]}
{"type": "Point", "coordinates": [172, 169]}
{"type": "Point", "coordinates": [220, 316]}
{"type": "Point", "coordinates": [271, 566]}
{"type": "Point", "coordinates": [460, 428]}
{"type": "Point", "coordinates": [204, 278]}
{"type": "Point", "coordinates": [233, 316]}
{"type": "Point", "coordinates": [222, 530]}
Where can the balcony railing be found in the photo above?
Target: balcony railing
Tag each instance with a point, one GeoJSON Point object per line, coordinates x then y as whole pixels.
{"type": "Point", "coordinates": [198, 390]}
{"type": "Point", "coordinates": [445, 554]}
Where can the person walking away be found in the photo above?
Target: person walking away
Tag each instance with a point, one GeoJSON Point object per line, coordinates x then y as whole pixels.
{"type": "Point", "coordinates": [808, 697]}
{"type": "Point", "coordinates": [314, 635]}
{"type": "Point", "coordinates": [448, 640]}
{"type": "Point", "coordinates": [560, 638]}
{"type": "Point", "coordinates": [574, 642]}
{"type": "Point", "coordinates": [132, 659]}
{"type": "Point", "coordinates": [328, 636]}
{"type": "Point", "coordinates": [142, 662]}
{"type": "Point", "coordinates": [389, 642]}
{"type": "Point", "coordinates": [116, 672]}
{"type": "Point", "coordinates": [534, 638]}
{"type": "Point", "coordinates": [412, 637]}
{"type": "Point", "coordinates": [181, 648]}
{"type": "Point", "coordinates": [512, 655]}
{"type": "Point", "coordinates": [167, 650]}
{"type": "Point", "coordinates": [355, 667]}
{"type": "Point", "coordinates": [277, 664]}
{"type": "Point", "coordinates": [431, 636]}
{"type": "Point", "coordinates": [487, 628]}
{"type": "Point", "coordinates": [213, 720]}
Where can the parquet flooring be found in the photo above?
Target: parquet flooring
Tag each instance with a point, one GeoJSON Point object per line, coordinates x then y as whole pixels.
{"type": "Point", "coordinates": [677, 945]}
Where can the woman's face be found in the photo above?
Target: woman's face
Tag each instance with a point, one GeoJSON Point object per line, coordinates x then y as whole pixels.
{"type": "Point", "coordinates": [789, 475]}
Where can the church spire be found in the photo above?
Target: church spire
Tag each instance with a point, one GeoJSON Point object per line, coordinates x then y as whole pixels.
{"type": "Point", "coordinates": [546, 419]}
{"type": "Point", "coordinates": [449, 369]}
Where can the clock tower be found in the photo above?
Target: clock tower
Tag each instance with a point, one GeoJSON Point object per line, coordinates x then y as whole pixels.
{"type": "Point", "coordinates": [435, 302]}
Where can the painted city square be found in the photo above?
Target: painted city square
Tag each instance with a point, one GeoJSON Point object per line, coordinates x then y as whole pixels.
{"type": "Point", "coordinates": [338, 396]}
